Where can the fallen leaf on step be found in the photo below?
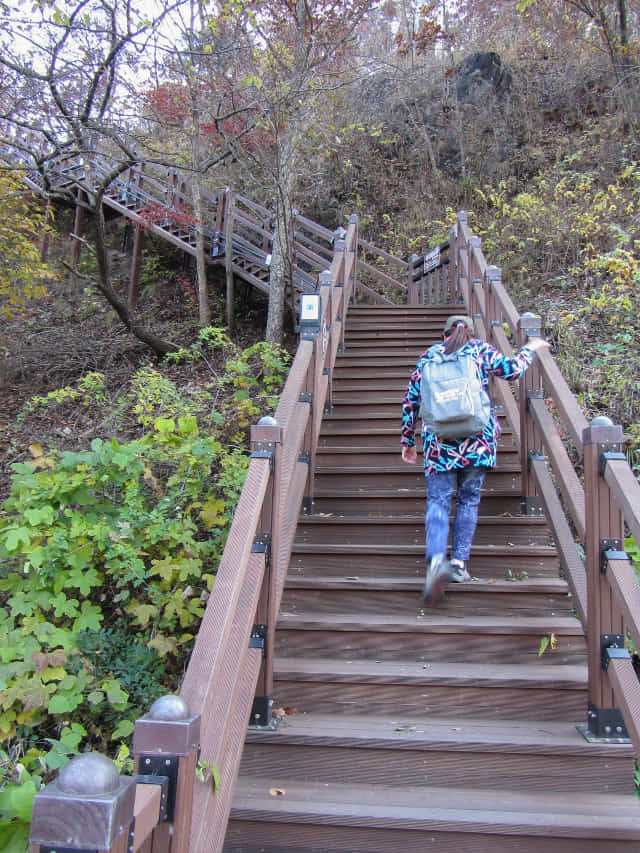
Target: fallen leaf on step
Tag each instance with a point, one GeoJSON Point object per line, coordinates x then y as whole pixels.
{"type": "Point", "coordinates": [352, 578]}
{"type": "Point", "coordinates": [290, 710]}
{"type": "Point", "coordinates": [491, 580]}
{"type": "Point", "coordinates": [277, 792]}
{"type": "Point", "coordinates": [279, 712]}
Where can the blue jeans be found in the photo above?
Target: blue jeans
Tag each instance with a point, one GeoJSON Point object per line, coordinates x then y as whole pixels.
{"type": "Point", "coordinates": [440, 488]}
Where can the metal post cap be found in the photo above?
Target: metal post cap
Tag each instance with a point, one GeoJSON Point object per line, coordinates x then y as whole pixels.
{"type": "Point", "coordinates": [89, 774]}
{"type": "Point", "coordinates": [528, 315]}
{"type": "Point", "coordinates": [602, 420]}
{"type": "Point", "coordinates": [267, 420]}
{"type": "Point", "coordinates": [169, 708]}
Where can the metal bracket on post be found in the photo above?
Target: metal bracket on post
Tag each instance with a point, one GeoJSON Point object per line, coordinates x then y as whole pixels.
{"type": "Point", "coordinates": [611, 549]}
{"type": "Point", "coordinates": [261, 713]}
{"type": "Point", "coordinates": [258, 639]}
{"type": "Point", "coordinates": [263, 450]}
{"type": "Point", "coordinates": [306, 397]}
{"type": "Point", "coordinates": [45, 849]}
{"type": "Point", "coordinates": [604, 725]}
{"type": "Point", "coordinates": [534, 395]}
{"type": "Point", "coordinates": [612, 648]}
{"type": "Point", "coordinates": [609, 452]}
{"type": "Point", "coordinates": [531, 506]}
{"type": "Point", "coordinates": [163, 781]}
{"type": "Point", "coordinates": [161, 770]}
{"type": "Point", "coordinates": [262, 545]}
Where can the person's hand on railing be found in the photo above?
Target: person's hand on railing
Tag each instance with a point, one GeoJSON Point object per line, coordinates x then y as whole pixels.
{"type": "Point", "coordinates": [537, 344]}
{"type": "Point", "coordinates": [409, 454]}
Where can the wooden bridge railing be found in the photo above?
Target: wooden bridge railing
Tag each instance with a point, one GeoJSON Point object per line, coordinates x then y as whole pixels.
{"type": "Point", "coordinates": [228, 682]}
{"type": "Point", "coordinates": [588, 510]}
{"type": "Point", "coordinates": [579, 477]}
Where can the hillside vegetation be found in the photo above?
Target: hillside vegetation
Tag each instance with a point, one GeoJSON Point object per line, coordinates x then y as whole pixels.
{"type": "Point", "coordinates": [120, 470]}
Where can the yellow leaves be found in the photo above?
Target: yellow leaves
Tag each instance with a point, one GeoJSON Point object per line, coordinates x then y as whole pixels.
{"type": "Point", "coordinates": [143, 613]}
{"type": "Point", "coordinates": [22, 273]}
{"type": "Point", "coordinates": [210, 514]}
{"type": "Point", "coordinates": [39, 459]}
{"type": "Point", "coordinates": [547, 642]}
{"type": "Point", "coordinates": [163, 645]}
{"type": "Point", "coordinates": [152, 482]}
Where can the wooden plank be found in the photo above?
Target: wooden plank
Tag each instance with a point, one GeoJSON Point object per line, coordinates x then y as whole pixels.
{"type": "Point", "coordinates": [626, 491]}
{"type": "Point", "coordinates": [146, 811]}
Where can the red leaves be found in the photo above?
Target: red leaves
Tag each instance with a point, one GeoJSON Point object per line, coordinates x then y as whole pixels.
{"type": "Point", "coordinates": [158, 214]}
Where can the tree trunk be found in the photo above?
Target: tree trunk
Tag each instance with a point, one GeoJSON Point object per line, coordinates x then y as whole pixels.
{"type": "Point", "coordinates": [158, 345]}
{"type": "Point", "coordinates": [279, 271]}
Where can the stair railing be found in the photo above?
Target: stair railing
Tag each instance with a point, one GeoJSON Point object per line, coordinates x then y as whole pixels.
{"type": "Point", "coordinates": [229, 680]}
{"type": "Point", "coordinates": [587, 510]}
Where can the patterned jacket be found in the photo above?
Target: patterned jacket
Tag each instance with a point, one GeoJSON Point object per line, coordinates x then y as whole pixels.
{"type": "Point", "coordinates": [448, 454]}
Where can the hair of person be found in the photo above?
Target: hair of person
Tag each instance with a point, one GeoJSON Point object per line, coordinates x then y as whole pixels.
{"type": "Point", "coordinates": [456, 338]}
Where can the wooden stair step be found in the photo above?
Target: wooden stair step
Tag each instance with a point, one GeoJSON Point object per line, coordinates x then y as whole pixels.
{"type": "Point", "coordinates": [369, 529]}
{"type": "Point", "coordinates": [431, 634]}
{"type": "Point", "coordinates": [485, 563]}
{"type": "Point", "coordinates": [400, 503]}
{"type": "Point", "coordinates": [529, 597]}
{"type": "Point", "coordinates": [282, 814]}
{"type": "Point", "coordinates": [402, 479]}
{"type": "Point", "coordinates": [434, 750]}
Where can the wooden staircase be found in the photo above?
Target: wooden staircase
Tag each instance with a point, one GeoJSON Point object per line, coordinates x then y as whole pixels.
{"type": "Point", "coordinates": [408, 728]}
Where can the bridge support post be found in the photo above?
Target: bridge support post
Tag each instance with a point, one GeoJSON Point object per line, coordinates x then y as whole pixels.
{"type": "Point", "coordinates": [78, 231]}
{"type": "Point", "coordinates": [136, 265]}
{"type": "Point", "coordinates": [530, 385]}
{"type": "Point", "coordinates": [604, 527]}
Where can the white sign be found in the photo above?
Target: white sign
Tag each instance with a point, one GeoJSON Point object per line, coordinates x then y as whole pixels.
{"type": "Point", "coordinates": [310, 307]}
{"type": "Point", "coordinates": [432, 259]}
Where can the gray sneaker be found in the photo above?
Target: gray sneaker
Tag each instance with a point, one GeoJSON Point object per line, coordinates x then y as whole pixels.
{"type": "Point", "coordinates": [438, 575]}
{"type": "Point", "coordinates": [459, 572]}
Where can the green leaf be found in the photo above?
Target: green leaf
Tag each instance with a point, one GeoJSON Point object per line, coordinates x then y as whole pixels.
{"type": "Point", "coordinates": [14, 837]}
{"type": "Point", "coordinates": [15, 536]}
{"type": "Point", "coordinates": [95, 697]}
{"type": "Point", "coordinates": [62, 703]}
{"type": "Point", "coordinates": [16, 801]}
{"type": "Point", "coordinates": [115, 694]}
{"type": "Point", "coordinates": [90, 618]}
{"type": "Point", "coordinates": [123, 729]}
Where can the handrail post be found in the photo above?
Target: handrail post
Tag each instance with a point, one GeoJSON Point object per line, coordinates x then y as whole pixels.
{"type": "Point", "coordinates": [530, 385]}
{"type": "Point", "coordinates": [604, 532]}
{"type": "Point", "coordinates": [352, 285]}
{"type": "Point", "coordinates": [266, 442]}
{"type": "Point", "coordinates": [412, 287]}
{"type": "Point", "coordinates": [166, 742]}
{"type": "Point", "coordinates": [462, 261]}
{"type": "Point", "coordinates": [452, 272]}
{"type": "Point", "coordinates": [326, 296]}
{"type": "Point", "coordinates": [87, 807]}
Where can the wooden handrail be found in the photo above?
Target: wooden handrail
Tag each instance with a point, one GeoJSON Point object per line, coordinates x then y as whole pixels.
{"type": "Point", "coordinates": [587, 515]}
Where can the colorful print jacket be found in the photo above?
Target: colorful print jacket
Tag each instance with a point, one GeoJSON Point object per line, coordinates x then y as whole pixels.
{"type": "Point", "coordinates": [448, 454]}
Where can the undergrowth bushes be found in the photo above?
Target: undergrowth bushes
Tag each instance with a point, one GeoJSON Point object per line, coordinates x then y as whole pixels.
{"type": "Point", "coordinates": [569, 246]}
{"type": "Point", "coordinates": [108, 556]}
